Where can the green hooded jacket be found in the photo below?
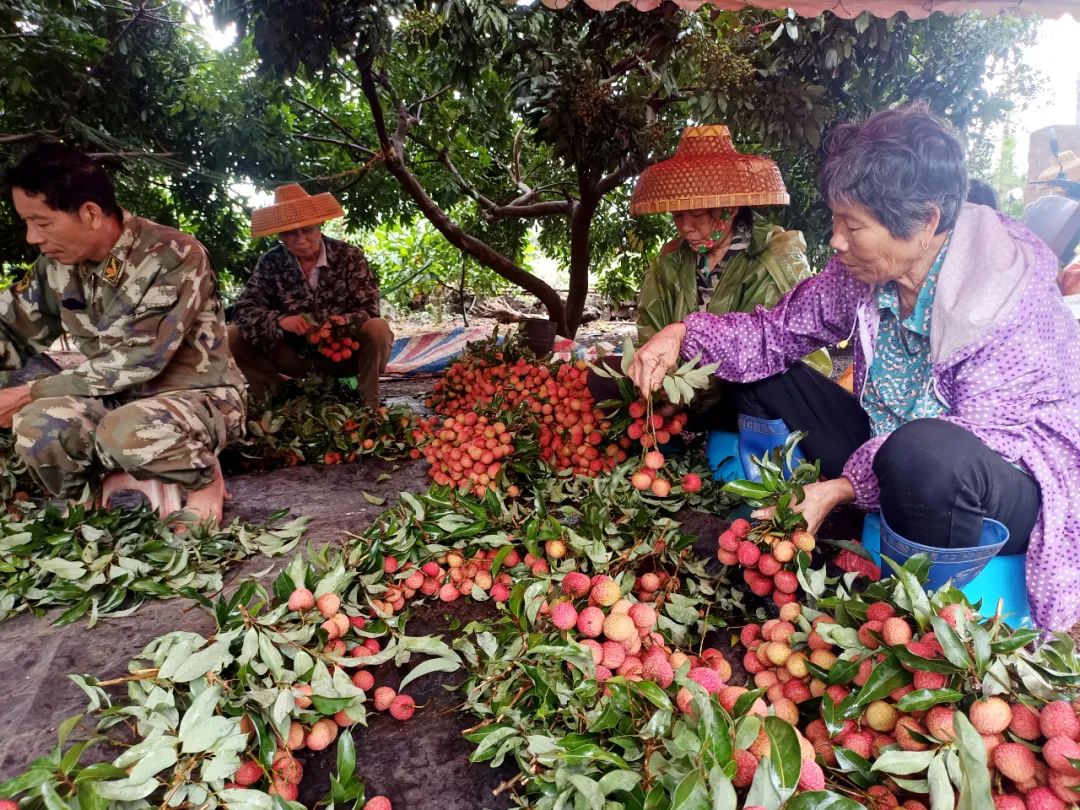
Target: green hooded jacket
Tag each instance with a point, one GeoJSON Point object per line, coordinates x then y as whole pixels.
{"type": "Point", "coordinates": [773, 263]}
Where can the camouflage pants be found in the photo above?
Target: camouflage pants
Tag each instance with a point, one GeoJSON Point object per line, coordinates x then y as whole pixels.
{"type": "Point", "coordinates": [68, 442]}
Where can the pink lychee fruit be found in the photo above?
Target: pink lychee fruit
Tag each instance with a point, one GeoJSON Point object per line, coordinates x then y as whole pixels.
{"type": "Point", "coordinates": [811, 777]}
{"type": "Point", "coordinates": [1015, 761]}
{"type": "Point", "coordinates": [1057, 719]}
{"type": "Point", "coordinates": [590, 621]}
{"type": "Point", "coordinates": [322, 733]}
{"type": "Point", "coordinates": [707, 679]}
{"type": "Point", "coordinates": [643, 616]}
{"type": "Point", "coordinates": [1043, 798]}
{"type": "Point", "coordinates": [301, 599]}
{"type": "Point", "coordinates": [383, 697]}
{"type": "Point", "coordinates": [378, 803]}
{"type": "Point", "coordinates": [613, 654]}
{"type": "Point", "coordinates": [564, 616]}
{"type": "Point", "coordinates": [328, 604]}
{"type": "Point", "coordinates": [939, 722]}
{"type": "Point", "coordinates": [741, 527]}
{"type": "Point", "coordinates": [1058, 751]}
{"type": "Point", "coordinates": [991, 715]}
{"type": "Point", "coordinates": [1025, 722]}
{"type": "Point", "coordinates": [745, 768]}
{"type": "Point", "coordinates": [619, 627]}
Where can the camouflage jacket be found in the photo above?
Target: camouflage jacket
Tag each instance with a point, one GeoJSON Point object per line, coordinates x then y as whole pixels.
{"type": "Point", "coordinates": [277, 287]}
{"type": "Point", "coordinates": [148, 318]}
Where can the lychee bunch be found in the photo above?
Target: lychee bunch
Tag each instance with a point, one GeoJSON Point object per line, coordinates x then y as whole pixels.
{"type": "Point", "coordinates": [767, 559]}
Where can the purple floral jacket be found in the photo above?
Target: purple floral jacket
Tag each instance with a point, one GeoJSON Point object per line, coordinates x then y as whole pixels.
{"type": "Point", "coordinates": [1006, 355]}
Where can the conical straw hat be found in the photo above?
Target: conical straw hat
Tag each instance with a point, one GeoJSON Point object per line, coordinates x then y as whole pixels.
{"type": "Point", "coordinates": [293, 208]}
{"type": "Point", "coordinates": [707, 172]}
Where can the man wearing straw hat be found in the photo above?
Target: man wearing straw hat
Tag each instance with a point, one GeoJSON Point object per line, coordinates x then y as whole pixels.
{"type": "Point", "coordinates": [157, 395]}
{"type": "Point", "coordinates": [299, 283]}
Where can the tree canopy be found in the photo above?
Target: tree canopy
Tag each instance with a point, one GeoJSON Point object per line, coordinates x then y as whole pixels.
{"type": "Point", "coordinates": [489, 119]}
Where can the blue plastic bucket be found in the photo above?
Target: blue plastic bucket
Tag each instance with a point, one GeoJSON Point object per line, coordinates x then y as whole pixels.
{"type": "Point", "coordinates": [1002, 578]}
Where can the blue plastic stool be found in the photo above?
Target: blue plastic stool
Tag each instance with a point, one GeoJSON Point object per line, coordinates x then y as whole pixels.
{"type": "Point", "coordinates": [722, 453]}
{"type": "Point", "coordinates": [1003, 578]}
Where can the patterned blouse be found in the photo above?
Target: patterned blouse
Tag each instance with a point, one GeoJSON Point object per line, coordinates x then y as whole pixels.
{"type": "Point", "coordinates": [899, 387]}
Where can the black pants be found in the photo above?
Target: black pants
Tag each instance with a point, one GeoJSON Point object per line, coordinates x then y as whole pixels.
{"type": "Point", "coordinates": [937, 480]}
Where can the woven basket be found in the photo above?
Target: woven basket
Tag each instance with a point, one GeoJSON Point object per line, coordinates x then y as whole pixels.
{"type": "Point", "coordinates": [707, 172]}
{"type": "Point", "coordinates": [293, 208]}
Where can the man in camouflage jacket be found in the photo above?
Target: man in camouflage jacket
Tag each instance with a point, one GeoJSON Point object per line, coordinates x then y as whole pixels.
{"type": "Point", "coordinates": [302, 281]}
{"type": "Point", "coordinates": [158, 395]}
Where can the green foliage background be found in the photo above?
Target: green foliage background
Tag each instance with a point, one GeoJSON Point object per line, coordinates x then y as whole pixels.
{"type": "Point", "coordinates": [511, 95]}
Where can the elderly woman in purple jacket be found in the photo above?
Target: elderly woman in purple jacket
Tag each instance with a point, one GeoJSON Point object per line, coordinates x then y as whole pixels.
{"type": "Point", "coordinates": [966, 411]}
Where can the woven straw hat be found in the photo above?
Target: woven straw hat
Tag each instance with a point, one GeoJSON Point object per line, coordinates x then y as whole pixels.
{"type": "Point", "coordinates": [707, 172]}
{"type": "Point", "coordinates": [293, 208]}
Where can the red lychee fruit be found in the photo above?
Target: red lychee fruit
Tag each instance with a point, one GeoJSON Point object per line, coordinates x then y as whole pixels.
{"type": "Point", "coordinates": [301, 599]}
{"type": "Point", "coordinates": [328, 604]}
{"type": "Point", "coordinates": [939, 722]}
{"type": "Point", "coordinates": [707, 678]}
{"type": "Point", "coordinates": [1015, 761]}
{"type": "Point", "coordinates": [1057, 719]}
{"type": "Point", "coordinates": [247, 774]}
{"type": "Point", "coordinates": [691, 482]}
{"type": "Point", "coordinates": [896, 631]}
{"type": "Point", "coordinates": [1006, 802]}
{"type": "Point", "coordinates": [576, 584]}
{"type": "Point", "coordinates": [861, 742]}
{"type": "Point", "coordinates": [595, 648]}
{"type": "Point", "coordinates": [613, 654]}
{"type": "Point", "coordinates": [500, 593]}
{"type": "Point", "coordinates": [1025, 722]}
{"type": "Point", "coordinates": [378, 803]}
{"type": "Point", "coordinates": [748, 554]}
{"type": "Point", "coordinates": [661, 487]}
{"type": "Point", "coordinates": [786, 582]}
{"type": "Point", "coordinates": [741, 527]}
{"type": "Point", "coordinates": [879, 612]}
{"type": "Point", "coordinates": [1058, 751]}
{"type": "Point", "coordinates": [402, 707]}
{"type": "Point", "coordinates": [286, 790]}
{"type": "Point", "coordinates": [564, 616]}
{"type": "Point", "coordinates": [904, 737]}
{"type": "Point", "coordinates": [929, 680]}
{"type": "Point", "coordinates": [991, 715]}
{"type": "Point", "coordinates": [1043, 798]}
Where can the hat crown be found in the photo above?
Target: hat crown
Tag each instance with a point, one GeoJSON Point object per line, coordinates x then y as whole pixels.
{"type": "Point", "coordinates": [709, 140]}
{"type": "Point", "coordinates": [289, 192]}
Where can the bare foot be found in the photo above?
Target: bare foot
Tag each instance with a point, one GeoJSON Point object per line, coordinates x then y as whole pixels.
{"type": "Point", "coordinates": [208, 503]}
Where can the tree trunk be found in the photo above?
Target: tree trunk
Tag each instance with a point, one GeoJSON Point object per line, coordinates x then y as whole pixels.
{"type": "Point", "coordinates": [580, 256]}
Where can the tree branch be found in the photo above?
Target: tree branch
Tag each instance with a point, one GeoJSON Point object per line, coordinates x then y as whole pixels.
{"type": "Point", "coordinates": [394, 158]}
{"type": "Point", "coordinates": [349, 135]}
{"type": "Point", "coordinates": [22, 137]}
{"type": "Point", "coordinates": [343, 144]}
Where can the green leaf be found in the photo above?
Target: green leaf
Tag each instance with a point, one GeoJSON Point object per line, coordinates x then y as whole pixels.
{"type": "Point", "coordinates": [346, 755]}
{"type": "Point", "coordinates": [375, 500]}
{"type": "Point", "coordinates": [953, 648]}
{"type": "Point", "coordinates": [691, 794]}
{"type": "Point", "coordinates": [975, 790]}
{"type": "Point", "coordinates": [784, 751]}
{"type": "Point", "coordinates": [427, 667]}
{"type": "Point", "coordinates": [923, 699]}
{"type": "Point", "coordinates": [618, 782]}
{"type": "Point", "coordinates": [884, 678]}
{"type": "Point", "coordinates": [721, 790]}
{"type": "Point", "coordinates": [903, 763]}
{"type": "Point", "coordinates": [941, 789]}
{"type": "Point", "coordinates": [821, 800]}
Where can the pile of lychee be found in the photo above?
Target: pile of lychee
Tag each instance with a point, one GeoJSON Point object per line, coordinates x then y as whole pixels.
{"type": "Point", "coordinates": [335, 338]}
{"type": "Point", "coordinates": [767, 558]}
{"type": "Point", "coordinates": [466, 451]}
{"type": "Point", "coordinates": [449, 576]}
{"type": "Point", "coordinates": [552, 400]}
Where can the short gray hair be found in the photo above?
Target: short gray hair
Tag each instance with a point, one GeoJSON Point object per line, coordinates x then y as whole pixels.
{"type": "Point", "coordinates": [899, 164]}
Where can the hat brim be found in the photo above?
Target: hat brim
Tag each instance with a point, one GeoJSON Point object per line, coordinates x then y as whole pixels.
{"type": "Point", "coordinates": [676, 204]}
{"type": "Point", "coordinates": [303, 223]}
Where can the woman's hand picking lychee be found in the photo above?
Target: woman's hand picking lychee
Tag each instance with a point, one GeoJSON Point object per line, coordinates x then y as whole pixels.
{"type": "Point", "coordinates": [659, 355]}
{"type": "Point", "coordinates": [819, 499]}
